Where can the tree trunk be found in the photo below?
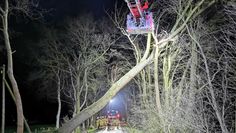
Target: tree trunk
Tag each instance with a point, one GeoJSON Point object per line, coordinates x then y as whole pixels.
{"type": "Point", "coordinates": [193, 80]}
{"type": "Point", "coordinates": [77, 106]}
{"type": "Point", "coordinates": [27, 126]}
{"type": "Point", "coordinates": [19, 108]}
{"type": "Point", "coordinates": [14, 99]}
{"type": "Point", "coordinates": [156, 82]}
{"type": "Point", "coordinates": [59, 101]}
{"type": "Point", "coordinates": [59, 108]}
{"type": "Point", "coordinates": [166, 80]}
{"type": "Point", "coordinates": [101, 103]}
{"type": "Point", "coordinates": [3, 99]}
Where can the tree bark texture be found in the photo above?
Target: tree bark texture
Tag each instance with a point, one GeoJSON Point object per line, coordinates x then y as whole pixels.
{"type": "Point", "coordinates": [19, 108]}
{"type": "Point", "coordinates": [59, 101]}
{"type": "Point", "coordinates": [3, 100]}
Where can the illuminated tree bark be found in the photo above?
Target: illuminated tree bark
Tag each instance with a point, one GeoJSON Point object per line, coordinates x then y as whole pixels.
{"type": "Point", "coordinates": [19, 108]}
{"type": "Point", "coordinates": [3, 99]}
{"type": "Point", "coordinates": [58, 99]}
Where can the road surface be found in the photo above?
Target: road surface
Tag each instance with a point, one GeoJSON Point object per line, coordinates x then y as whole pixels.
{"type": "Point", "coordinates": [115, 130]}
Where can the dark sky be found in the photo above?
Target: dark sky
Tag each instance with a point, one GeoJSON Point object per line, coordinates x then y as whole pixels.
{"type": "Point", "coordinates": [64, 8]}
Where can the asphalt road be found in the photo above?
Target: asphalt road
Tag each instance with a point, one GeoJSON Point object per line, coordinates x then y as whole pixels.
{"type": "Point", "coordinates": [115, 130]}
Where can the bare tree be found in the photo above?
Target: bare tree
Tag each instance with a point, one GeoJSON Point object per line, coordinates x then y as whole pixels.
{"type": "Point", "coordinates": [4, 18]}
{"type": "Point", "coordinates": [6, 8]}
{"type": "Point", "coordinates": [58, 99]}
{"type": "Point", "coordinates": [81, 59]}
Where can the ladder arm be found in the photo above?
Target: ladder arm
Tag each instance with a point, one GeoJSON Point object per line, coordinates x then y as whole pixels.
{"type": "Point", "coordinates": [136, 5]}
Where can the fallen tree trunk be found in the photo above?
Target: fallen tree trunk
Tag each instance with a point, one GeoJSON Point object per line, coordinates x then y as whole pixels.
{"type": "Point", "coordinates": [102, 102]}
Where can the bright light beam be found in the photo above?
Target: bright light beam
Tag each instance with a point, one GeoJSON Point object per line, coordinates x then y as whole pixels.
{"type": "Point", "coordinates": [111, 101]}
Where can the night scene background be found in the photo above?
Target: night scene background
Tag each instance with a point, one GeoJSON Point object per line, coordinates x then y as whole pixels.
{"type": "Point", "coordinates": [84, 66]}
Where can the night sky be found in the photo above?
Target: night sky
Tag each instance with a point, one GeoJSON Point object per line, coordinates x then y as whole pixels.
{"type": "Point", "coordinates": [72, 8]}
{"type": "Point", "coordinates": [25, 35]}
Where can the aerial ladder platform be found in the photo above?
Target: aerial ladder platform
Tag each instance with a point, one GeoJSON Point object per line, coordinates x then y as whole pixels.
{"type": "Point", "coordinates": [140, 19]}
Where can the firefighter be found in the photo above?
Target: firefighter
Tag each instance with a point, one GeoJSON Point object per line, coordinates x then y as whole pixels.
{"type": "Point", "coordinates": [98, 123]}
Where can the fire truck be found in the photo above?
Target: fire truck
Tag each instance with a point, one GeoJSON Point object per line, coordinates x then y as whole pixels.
{"type": "Point", "coordinates": [113, 118]}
